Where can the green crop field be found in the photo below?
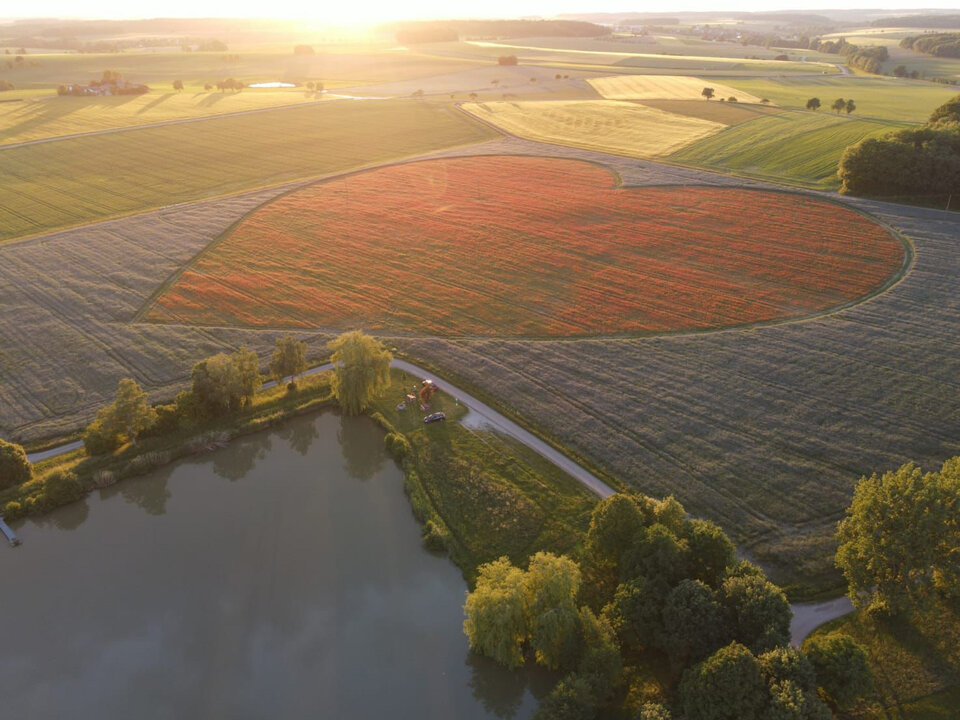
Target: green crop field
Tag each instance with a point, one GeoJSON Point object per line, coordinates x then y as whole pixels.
{"type": "Point", "coordinates": [52, 116]}
{"type": "Point", "coordinates": [69, 182]}
{"type": "Point", "coordinates": [887, 98]}
{"type": "Point", "coordinates": [800, 147]}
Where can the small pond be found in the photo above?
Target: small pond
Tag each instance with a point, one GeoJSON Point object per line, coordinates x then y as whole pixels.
{"type": "Point", "coordinates": [282, 576]}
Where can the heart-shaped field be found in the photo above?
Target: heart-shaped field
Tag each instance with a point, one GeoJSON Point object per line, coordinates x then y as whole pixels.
{"type": "Point", "coordinates": [535, 247]}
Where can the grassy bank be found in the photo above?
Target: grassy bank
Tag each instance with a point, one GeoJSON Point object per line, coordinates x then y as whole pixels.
{"type": "Point", "coordinates": [268, 408]}
{"type": "Point", "coordinates": [915, 662]}
{"type": "Point", "coordinates": [479, 494]}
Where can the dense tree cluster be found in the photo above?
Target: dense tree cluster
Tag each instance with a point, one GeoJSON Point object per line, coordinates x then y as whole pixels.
{"type": "Point", "coordinates": [937, 44]}
{"type": "Point", "coordinates": [652, 587]}
{"type": "Point", "coordinates": [907, 163]}
{"type": "Point", "coordinates": [900, 542]}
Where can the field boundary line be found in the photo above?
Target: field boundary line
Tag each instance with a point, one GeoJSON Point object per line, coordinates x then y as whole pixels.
{"type": "Point", "coordinates": [412, 160]}
{"type": "Point", "coordinates": [894, 279]}
{"type": "Point", "coordinates": [284, 186]}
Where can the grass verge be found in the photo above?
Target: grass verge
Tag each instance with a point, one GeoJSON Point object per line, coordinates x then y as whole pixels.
{"type": "Point", "coordinates": [480, 495]}
{"type": "Point", "coordinates": [915, 662]}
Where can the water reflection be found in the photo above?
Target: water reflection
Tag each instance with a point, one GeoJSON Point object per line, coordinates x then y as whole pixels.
{"type": "Point", "coordinates": [69, 518]}
{"type": "Point", "coordinates": [242, 458]}
{"type": "Point", "coordinates": [299, 435]}
{"type": "Point", "coordinates": [357, 436]}
{"type": "Point", "coordinates": [502, 691]}
{"type": "Point", "coordinates": [297, 593]}
{"type": "Point", "coordinates": [151, 496]}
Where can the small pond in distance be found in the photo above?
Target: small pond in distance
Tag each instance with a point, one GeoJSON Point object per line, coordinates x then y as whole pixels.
{"type": "Point", "coordinates": [282, 576]}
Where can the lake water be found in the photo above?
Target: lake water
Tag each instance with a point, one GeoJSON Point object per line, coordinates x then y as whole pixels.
{"type": "Point", "coordinates": [282, 576]}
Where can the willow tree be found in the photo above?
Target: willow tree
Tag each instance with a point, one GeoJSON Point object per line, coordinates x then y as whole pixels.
{"type": "Point", "coordinates": [361, 370]}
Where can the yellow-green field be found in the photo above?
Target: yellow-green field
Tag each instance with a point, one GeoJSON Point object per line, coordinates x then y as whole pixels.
{"type": "Point", "coordinates": [613, 126]}
{"type": "Point", "coordinates": [544, 53]}
{"type": "Point", "coordinates": [53, 116]}
{"type": "Point", "coordinates": [664, 87]}
{"type": "Point", "coordinates": [69, 182]}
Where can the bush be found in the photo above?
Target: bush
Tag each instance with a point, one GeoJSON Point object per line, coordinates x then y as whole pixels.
{"type": "Point", "coordinates": [397, 444]}
{"type": "Point", "coordinates": [15, 469]}
{"type": "Point", "coordinates": [168, 420]}
{"type": "Point", "coordinates": [98, 440]}
{"type": "Point", "coordinates": [434, 538]}
{"type": "Point", "coordinates": [61, 487]}
{"type": "Point", "coordinates": [12, 510]}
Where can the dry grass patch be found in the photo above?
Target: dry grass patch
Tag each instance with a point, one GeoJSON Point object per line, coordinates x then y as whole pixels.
{"type": "Point", "coordinates": [605, 125]}
{"type": "Point", "coordinates": [664, 87]}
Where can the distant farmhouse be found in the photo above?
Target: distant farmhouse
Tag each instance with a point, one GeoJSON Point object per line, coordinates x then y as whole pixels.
{"type": "Point", "coordinates": [112, 83]}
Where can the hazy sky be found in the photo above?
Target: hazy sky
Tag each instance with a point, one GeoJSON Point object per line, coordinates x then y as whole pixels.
{"type": "Point", "coordinates": [375, 10]}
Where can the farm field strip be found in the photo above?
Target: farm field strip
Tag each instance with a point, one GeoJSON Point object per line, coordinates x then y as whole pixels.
{"type": "Point", "coordinates": [622, 56]}
{"type": "Point", "coordinates": [603, 125]}
{"type": "Point", "coordinates": [725, 113]}
{"type": "Point", "coordinates": [52, 117]}
{"type": "Point", "coordinates": [663, 87]}
{"type": "Point", "coordinates": [793, 146]}
{"type": "Point", "coordinates": [53, 185]}
{"type": "Point", "coordinates": [876, 97]}
{"type": "Point", "coordinates": [558, 251]}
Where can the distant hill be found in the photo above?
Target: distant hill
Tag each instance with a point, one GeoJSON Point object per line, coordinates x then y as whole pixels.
{"type": "Point", "coordinates": [920, 21]}
{"type": "Point", "coordinates": [413, 32]}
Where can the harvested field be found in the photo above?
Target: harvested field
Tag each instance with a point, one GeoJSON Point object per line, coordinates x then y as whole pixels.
{"type": "Point", "coordinates": [604, 125]}
{"type": "Point", "coordinates": [80, 180]}
{"type": "Point", "coordinates": [664, 87]}
{"type": "Point", "coordinates": [529, 247]}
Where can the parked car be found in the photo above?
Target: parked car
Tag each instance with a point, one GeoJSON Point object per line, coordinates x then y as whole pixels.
{"type": "Point", "coordinates": [435, 417]}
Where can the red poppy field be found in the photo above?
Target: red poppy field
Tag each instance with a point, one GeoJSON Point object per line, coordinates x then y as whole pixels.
{"type": "Point", "coordinates": [535, 247]}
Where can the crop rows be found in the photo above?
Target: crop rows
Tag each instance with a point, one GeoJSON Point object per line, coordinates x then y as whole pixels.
{"type": "Point", "coordinates": [508, 246]}
{"type": "Point", "coordinates": [664, 87]}
{"type": "Point", "coordinates": [56, 184]}
{"type": "Point", "coordinates": [800, 147]}
{"type": "Point", "coordinates": [604, 125]}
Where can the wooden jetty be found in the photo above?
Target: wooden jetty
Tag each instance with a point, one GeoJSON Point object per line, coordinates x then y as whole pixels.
{"type": "Point", "coordinates": [11, 536]}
